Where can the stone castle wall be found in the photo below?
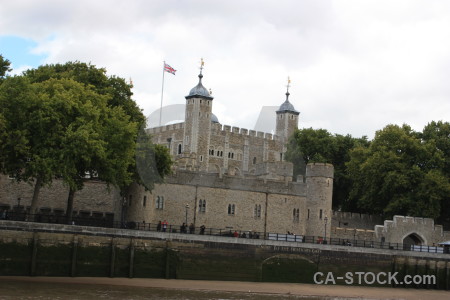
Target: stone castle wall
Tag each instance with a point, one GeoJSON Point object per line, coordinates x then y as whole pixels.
{"type": "Point", "coordinates": [95, 197]}
{"type": "Point", "coordinates": [247, 148]}
{"type": "Point", "coordinates": [355, 220]}
{"type": "Point", "coordinates": [258, 205]}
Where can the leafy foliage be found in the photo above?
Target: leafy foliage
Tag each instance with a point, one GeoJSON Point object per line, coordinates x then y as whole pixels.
{"type": "Point", "coordinates": [66, 121]}
{"type": "Point", "coordinates": [318, 145]}
{"type": "Point", "coordinates": [400, 173]}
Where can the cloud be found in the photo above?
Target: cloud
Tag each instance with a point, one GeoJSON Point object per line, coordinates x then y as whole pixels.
{"type": "Point", "coordinates": [356, 66]}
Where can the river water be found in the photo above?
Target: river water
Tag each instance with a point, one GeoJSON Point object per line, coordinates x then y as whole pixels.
{"type": "Point", "coordinates": [10, 289]}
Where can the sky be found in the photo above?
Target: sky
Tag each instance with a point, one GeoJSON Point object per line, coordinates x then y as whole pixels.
{"type": "Point", "coordinates": [355, 66]}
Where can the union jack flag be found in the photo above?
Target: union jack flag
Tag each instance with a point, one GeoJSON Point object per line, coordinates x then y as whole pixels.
{"type": "Point", "coordinates": [169, 69]}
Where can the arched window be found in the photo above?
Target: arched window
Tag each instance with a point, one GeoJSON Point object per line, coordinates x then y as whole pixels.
{"type": "Point", "coordinates": [179, 148]}
{"type": "Point", "coordinates": [254, 160]}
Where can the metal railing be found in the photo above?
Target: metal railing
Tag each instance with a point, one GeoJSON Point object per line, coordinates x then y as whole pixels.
{"type": "Point", "coordinates": [227, 232]}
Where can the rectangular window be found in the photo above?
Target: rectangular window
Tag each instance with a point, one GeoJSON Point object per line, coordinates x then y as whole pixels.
{"type": "Point", "coordinates": [320, 214]}
{"type": "Point", "coordinates": [308, 213]}
{"type": "Point", "coordinates": [231, 209]}
{"type": "Point", "coordinates": [159, 202]}
{"type": "Point", "coordinates": [129, 200]}
{"type": "Point", "coordinates": [144, 202]}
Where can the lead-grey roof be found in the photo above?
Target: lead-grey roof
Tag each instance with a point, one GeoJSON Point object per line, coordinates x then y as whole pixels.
{"type": "Point", "coordinates": [214, 118]}
{"type": "Point", "coordinates": [199, 90]}
{"type": "Point", "coordinates": [287, 106]}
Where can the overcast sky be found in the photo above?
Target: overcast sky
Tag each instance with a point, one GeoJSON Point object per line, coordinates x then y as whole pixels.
{"type": "Point", "coordinates": [355, 66]}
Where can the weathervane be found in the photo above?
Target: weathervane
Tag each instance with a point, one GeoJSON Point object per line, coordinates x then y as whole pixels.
{"type": "Point", "coordinates": [202, 63]}
{"type": "Point", "coordinates": [288, 85]}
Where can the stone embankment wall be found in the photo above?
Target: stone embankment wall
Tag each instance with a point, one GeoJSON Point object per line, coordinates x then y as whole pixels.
{"type": "Point", "coordinates": [64, 250]}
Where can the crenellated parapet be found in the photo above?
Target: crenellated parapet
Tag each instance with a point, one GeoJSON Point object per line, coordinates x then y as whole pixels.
{"type": "Point", "coordinates": [219, 129]}
{"type": "Point", "coordinates": [165, 128]}
{"type": "Point", "coordinates": [355, 220]}
{"type": "Point", "coordinates": [400, 228]}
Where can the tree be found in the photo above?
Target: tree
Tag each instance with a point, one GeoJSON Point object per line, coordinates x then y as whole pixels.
{"type": "Point", "coordinates": [398, 174]}
{"type": "Point", "coordinates": [66, 121]}
{"type": "Point", "coordinates": [318, 145]}
{"type": "Point", "coordinates": [4, 67]}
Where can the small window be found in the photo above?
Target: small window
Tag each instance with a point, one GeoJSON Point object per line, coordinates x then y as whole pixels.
{"type": "Point", "coordinates": [130, 197]}
{"type": "Point", "coordinates": [254, 160]}
{"type": "Point", "coordinates": [144, 202]}
{"type": "Point", "coordinates": [201, 157]}
{"type": "Point", "coordinates": [320, 214]}
{"type": "Point", "coordinates": [231, 209]}
{"type": "Point", "coordinates": [179, 148]}
{"type": "Point", "coordinates": [202, 206]}
{"type": "Point", "coordinates": [308, 214]}
{"type": "Point", "coordinates": [159, 202]}
{"type": "Point", "coordinates": [296, 215]}
{"type": "Point", "coordinates": [257, 212]}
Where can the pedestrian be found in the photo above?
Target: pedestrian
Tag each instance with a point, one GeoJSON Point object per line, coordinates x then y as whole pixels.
{"type": "Point", "coordinates": [183, 228]}
{"type": "Point", "coordinates": [202, 229]}
{"type": "Point", "coordinates": [235, 234]}
{"type": "Point", "coordinates": [158, 227]}
{"type": "Point", "coordinates": [191, 228]}
{"type": "Point", "coordinates": [164, 225]}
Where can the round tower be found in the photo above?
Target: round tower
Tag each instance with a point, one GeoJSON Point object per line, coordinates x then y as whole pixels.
{"type": "Point", "coordinates": [319, 192]}
{"type": "Point", "coordinates": [197, 126]}
{"type": "Point", "coordinates": [287, 118]}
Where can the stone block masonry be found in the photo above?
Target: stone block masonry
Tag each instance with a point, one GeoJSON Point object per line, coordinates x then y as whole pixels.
{"type": "Point", "coordinates": [64, 250]}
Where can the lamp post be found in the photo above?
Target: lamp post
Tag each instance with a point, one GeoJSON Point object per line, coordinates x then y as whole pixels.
{"type": "Point", "coordinates": [326, 221]}
{"type": "Point", "coordinates": [187, 207]}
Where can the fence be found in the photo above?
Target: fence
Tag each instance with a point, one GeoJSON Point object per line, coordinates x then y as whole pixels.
{"type": "Point", "coordinates": [170, 228]}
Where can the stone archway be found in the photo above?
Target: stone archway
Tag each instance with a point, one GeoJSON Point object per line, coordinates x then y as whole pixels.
{"type": "Point", "coordinates": [288, 268]}
{"type": "Point", "coordinates": [413, 239]}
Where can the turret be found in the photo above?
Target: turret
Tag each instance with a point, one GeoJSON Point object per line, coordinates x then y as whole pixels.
{"type": "Point", "coordinates": [198, 119]}
{"type": "Point", "coordinates": [319, 191]}
{"type": "Point", "coordinates": [287, 118]}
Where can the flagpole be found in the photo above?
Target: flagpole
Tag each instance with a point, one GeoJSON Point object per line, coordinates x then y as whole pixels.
{"type": "Point", "coordinates": [162, 95]}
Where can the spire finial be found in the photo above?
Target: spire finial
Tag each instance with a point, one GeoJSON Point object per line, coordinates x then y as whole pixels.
{"type": "Point", "coordinates": [202, 63]}
{"type": "Point", "coordinates": [287, 88]}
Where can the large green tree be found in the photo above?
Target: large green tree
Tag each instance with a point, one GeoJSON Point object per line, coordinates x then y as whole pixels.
{"type": "Point", "coordinates": [399, 174]}
{"type": "Point", "coordinates": [318, 145]}
{"type": "Point", "coordinates": [70, 120]}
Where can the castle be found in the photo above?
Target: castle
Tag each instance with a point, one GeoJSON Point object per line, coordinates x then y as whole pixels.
{"type": "Point", "coordinates": [230, 177]}
{"type": "Point", "coordinates": [227, 178]}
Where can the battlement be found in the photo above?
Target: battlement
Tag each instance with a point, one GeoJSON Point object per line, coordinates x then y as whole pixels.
{"type": "Point", "coordinates": [355, 220]}
{"type": "Point", "coordinates": [227, 129]}
{"type": "Point", "coordinates": [250, 183]}
{"type": "Point", "coordinates": [164, 128]}
{"type": "Point", "coordinates": [319, 170]}
{"type": "Point", "coordinates": [413, 220]}
{"type": "Point", "coordinates": [399, 227]}
{"type": "Point", "coordinates": [354, 216]}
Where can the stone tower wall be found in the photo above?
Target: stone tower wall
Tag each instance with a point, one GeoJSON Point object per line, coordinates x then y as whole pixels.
{"type": "Point", "coordinates": [319, 191]}
{"type": "Point", "coordinates": [286, 124]}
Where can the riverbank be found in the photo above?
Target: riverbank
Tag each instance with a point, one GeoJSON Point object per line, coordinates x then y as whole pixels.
{"type": "Point", "coordinates": [304, 290]}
